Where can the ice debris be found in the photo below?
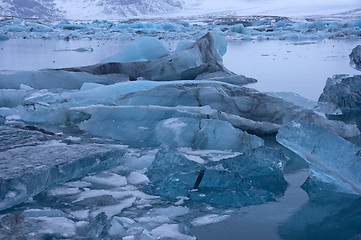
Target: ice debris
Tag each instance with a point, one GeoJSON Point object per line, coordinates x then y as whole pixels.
{"type": "Point", "coordinates": [48, 164]}
{"type": "Point", "coordinates": [251, 178]}
{"type": "Point", "coordinates": [334, 162]}
{"type": "Point", "coordinates": [355, 57]}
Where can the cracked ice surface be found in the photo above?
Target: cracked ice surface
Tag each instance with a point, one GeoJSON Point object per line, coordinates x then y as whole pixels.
{"type": "Point", "coordinates": [29, 169]}
{"type": "Point", "coordinates": [331, 168]}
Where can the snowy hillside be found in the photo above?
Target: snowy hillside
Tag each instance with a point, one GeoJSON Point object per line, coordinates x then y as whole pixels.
{"type": "Point", "coordinates": [86, 9]}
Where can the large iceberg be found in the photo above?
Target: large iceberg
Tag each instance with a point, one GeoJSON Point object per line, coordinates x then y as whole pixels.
{"type": "Point", "coordinates": [334, 162]}
{"type": "Point", "coordinates": [355, 57]}
{"type": "Point", "coordinates": [35, 164]}
{"type": "Point", "coordinates": [203, 57]}
{"type": "Point", "coordinates": [253, 177]}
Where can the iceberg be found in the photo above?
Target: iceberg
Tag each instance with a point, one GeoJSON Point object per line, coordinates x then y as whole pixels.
{"type": "Point", "coordinates": [153, 125]}
{"type": "Point", "coordinates": [343, 91]}
{"type": "Point", "coordinates": [355, 57]}
{"type": "Point", "coordinates": [204, 56]}
{"type": "Point", "coordinates": [334, 162]}
{"type": "Point", "coordinates": [253, 177]}
{"type": "Point", "coordinates": [33, 166]}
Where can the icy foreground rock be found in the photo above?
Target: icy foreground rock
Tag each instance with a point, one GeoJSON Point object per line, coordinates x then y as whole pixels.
{"type": "Point", "coordinates": [29, 169]}
{"type": "Point", "coordinates": [150, 126]}
{"type": "Point", "coordinates": [343, 91]}
{"type": "Point", "coordinates": [355, 57]}
{"type": "Point", "coordinates": [251, 178]}
{"type": "Point", "coordinates": [335, 163]}
{"type": "Point", "coordinates": [204, 56]}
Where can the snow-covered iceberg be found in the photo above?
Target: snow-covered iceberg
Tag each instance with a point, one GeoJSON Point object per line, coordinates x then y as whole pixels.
{"type": "Point", "coordinates": [355, 57]}
{"type": "Point", "coordinates": [334, 162]}
{"type": "Point", "coordinates": [251, 178]}
{"type": "Point", "coordinates": [36, 164]}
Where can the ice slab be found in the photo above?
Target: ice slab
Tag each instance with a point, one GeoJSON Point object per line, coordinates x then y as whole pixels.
{"type": "Point", "coordinates": [245, 108]}
{"type": "Point", "coordinates": [343, 91]}
{"type": "Point", "coordinates": [28, 170]}
{"type": "Point", "coordinates": [204, 56]}
{"type": "Point", "coordinates": [355, 57]}
{"type": "Point", "coordinates": [149, 126]}
{"type": "Point", "coordinates": [334, 162]}
{"type": "Point", "coordinates": [251, 178]}
{"type": "Point", "coordinates": [48, 79]}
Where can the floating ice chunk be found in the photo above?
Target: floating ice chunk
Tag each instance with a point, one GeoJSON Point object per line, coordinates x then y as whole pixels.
{"type": "Point", "coordinates": [95, 227]}
{"type": "Point", "coordinates": [81, 214]}
{"type": "Point", "coordinates": [56, 226]}
{"type": "Point", "coordinates": [343, 91]}
{"type": "Point", "coordinates": [63, 191]}
{"type": "Point", "coordinates": [178, 126]}
{"type": "Point", "coordinates": [170, 231]}
{"type": "Point", "coordinates": [107, 179]}
{"type": "Point", "coordinates": [3, 37]}
{"type": "Point", "coordinates": [35, 213]}
{"type": "Point", "coordinates": [136, 178]}
{"type": "Point", "coordinates": [251, 178]}
{"type": "Point", "coordinates": [113, 210]}
{"type": "Point", "coordinates": [143, 48]}
{"type": "Point", "coordinates": [205, 55]}
{"type": "Point", "coordinates": [336, 168]}
{"type": "Point", "coordinates": [116, 227]}
{"type": "Point", "coordinates": [48, 79]}
{"type": "Point", "coordinates": [208, 219]}
{"type": "Point", "coordinates": [355, 57]}
{"type": "Point", "coordinates": [38, 167]}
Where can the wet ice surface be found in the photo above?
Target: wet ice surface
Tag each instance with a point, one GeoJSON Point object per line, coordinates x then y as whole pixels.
{"type": "Point", "coordinates": [141, 199]}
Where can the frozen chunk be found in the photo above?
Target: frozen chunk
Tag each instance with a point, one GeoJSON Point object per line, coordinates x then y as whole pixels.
{"type": "Point", "coordinates": [355, 57]}
{"type": "Point", "coordinates": [343, 91]}
{"type": "Point", "coordinates": [334, 162]}
{"type": "Point", "coordinates": [178, 126]}
{"type": "Point", "coordinates": [170, 231]}
{"type": "Point", "coordinates": [28, 170]}
{"type": "Point", "coordinates": [251, 178]}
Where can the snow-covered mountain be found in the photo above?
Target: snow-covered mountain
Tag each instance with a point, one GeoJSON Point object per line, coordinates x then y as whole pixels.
{"type": "Point", "coordinates": [87, 9]}
{"type": "Point", "coordinates": [117, 9]}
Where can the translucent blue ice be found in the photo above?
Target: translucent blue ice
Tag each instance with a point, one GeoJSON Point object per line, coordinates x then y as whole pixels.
{"type": "Point", "coordinates": [334, 162]}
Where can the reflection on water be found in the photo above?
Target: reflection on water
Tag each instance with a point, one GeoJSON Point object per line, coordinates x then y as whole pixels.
{"type": "Point", "coordinates": [331, 216]}
{"type": "Point", "coordinates": [292, 67]}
